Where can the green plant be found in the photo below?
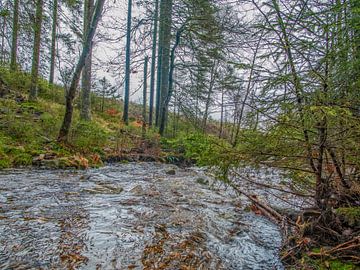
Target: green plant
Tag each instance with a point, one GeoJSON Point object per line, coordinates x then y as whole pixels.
{"type": "Point", "coordinates": [89, 137]}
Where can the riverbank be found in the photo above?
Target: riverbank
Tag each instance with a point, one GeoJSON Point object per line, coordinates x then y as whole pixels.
{"type": "Point", "coordinates": [29, 130]}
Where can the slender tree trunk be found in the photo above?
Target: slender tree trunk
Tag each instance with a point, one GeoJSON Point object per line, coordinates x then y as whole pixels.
{"type": "Point", "coordinates": [153, 63]}
{"type": "Point", "coordinates": [53, 41]}
{"type": "Point", "coordinates": [65, 128]}
{"type": "Point", "coordinates": [175, 107]}
{"type": "Point", "coordinates": [36, 51]}
{"type": "Point", "coordinates": [3, 58]}
{"type": "Point", "coordinates": [208, 99]}
{"type": "Point", "coordinates": [221, 114]}
{"type": "Point", "coordinates": [15, 31]}
{"type": "Point", "coordinates": [159, 63]}
{"type": "Point", "coordinates": [168, 94]}
{"type": "Point", "coordinates": [127, 66]}
{"type": "Point", "coordinates": [85, 113]}
{"type": "Point", "coordinates": [145, 96]}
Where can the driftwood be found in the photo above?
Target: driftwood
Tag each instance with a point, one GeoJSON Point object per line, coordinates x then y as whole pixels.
{"type": "Point", "coordinates": [265, 209]}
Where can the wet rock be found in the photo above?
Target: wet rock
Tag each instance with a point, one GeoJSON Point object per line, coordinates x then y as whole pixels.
{"type": "Point", "coordinates": [202, 181]}
{"type": "Point", "coordinates": [85, 177]}
{"type": "Point", "coordinates": [105, 189]}
{"type": "Point", "coordinates": [50, 163]}
{"type": "Point", "coordinates": [171, 172]}
{"type": "Point", "coordinates": [37, 161]}
{"type": "Point", "coordinates": [137, 190]}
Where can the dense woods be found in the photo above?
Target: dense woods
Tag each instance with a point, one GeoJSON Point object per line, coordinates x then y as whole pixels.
{"type": "Point", "coordinates": [225, 84]}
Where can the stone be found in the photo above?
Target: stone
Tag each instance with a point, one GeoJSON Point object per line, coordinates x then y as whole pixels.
{"type": "Point", "coordinates": [105, 189]}
{"type": "Point", "coordinates": [137, 190]}
{"type": "Point", "coordinates": [202, 181]}
{"type": "Point", "coordinates": [171, 172]}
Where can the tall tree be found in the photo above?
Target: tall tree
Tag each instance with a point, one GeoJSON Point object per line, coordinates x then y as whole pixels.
{"type": "Point", "coordinates": [15, 30]}
{"type": "Point", "coordinates": [65, 127]}
{"type": "Point", "coordinates": [168, 94]}
{"type": "Point", "coordinates": [145, 96]}
{"type": "Point", "coordinates": [153, 62]}
{"type": "Point", "coordinates": [164, 54]}
{"type": "Point", "coordinates": [85, 113]}
{"type": "Point", "coordinates": [53, 41]}
{"type": "Point", "coordinates": [127, 65]}
{"type": "Point", "coordinates": [36, 50]}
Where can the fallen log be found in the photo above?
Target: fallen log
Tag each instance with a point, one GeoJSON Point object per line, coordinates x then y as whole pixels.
{"type": "Point", "coordinates": [268, 211]}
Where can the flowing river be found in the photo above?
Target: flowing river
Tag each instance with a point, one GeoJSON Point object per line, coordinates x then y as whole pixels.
{"type": "Point", "coordinates": [129, 216]}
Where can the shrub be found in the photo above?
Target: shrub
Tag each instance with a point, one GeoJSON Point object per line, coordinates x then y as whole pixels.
{"type": "Point", "coordinates": [89, 137]}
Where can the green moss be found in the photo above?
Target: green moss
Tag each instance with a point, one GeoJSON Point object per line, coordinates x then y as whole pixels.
{"type": "Point", "coordinates": [309, 263]}
{"type": "Point", "coordinates": [341, 266]}
{"type": "Point", "coordinates": [4, 162]}
{"type": "Point", "coordinates": [351, 215]}
{"type": "Point", "coordinates": [89, 137]}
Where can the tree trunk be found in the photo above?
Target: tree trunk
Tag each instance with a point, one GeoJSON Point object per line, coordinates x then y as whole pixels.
{"type": "Point", "coordinates": [85, 113]}
{"type": "Point", "coordinates": [164, 56]}
{"type": "Point", "coordinates": [221, 114]}
{"type": "Point", "coordinates": [145, 96]}
{"type": "Point", "coordinates": [53, 41]}
{"type": "Point", "coordinates": [168, 94]}
{"type": "Point", "coordinates": [15, 31]}
{"type": "Point", "coordinates": [36, 51]}
{"type": "Point", "coordinates": [127, 66]}
{"type": "Point", "coordinates": [65, 128]}
{"type": "Point", "coordinates": [153, 64]}
{"type": "Point", "coordinates": [159, 64]}
{"type": "Point", "coordinates": [208, 99]}
{"type": "Point", "coordinates": [3, 58]}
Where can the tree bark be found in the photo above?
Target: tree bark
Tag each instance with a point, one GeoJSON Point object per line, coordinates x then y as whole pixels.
{"type": "Point", "coordinates": [127, 66]}
{"type": "Point", "coordinates": [168, 94]}
{"type": "Point", "coordinates": [36, 51]}
{"type": "Point", "coordinates": [222, 114]}
{"type": "Point", "coordinates": [145, 96]}
{"type": "Point", "coordinates": [208, 99]}
{"type": "Point", "coordinates": [153, 63]}
{"type": "Point", "coordinates": [85, 113]}
{"type": "Point", "coordinates": [53, 41]}
{"type": "Point", "coordinates": [14, 43]}
{"type": "Point", "coordinates": [65, 127]}
{"type": "Point", "coordinates": [163, 56]}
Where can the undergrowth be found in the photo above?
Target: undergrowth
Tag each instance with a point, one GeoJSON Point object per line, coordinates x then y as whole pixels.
{"type": "Point", "coordinates": [29, 130]}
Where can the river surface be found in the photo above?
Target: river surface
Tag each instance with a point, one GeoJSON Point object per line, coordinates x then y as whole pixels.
{"type": "Point", "coordinates": [129, 216]}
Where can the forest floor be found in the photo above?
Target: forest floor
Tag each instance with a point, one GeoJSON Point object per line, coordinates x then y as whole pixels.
{"type": "Point", "coordinates": [29, 130]}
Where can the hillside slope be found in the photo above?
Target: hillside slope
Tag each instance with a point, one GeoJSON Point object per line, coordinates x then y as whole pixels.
{"type": "Point", "coordinates": [28, 130]}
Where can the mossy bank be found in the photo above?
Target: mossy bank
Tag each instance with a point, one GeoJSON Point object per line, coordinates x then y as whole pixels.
{"type": "Point", "coordinates": [29, 130]}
